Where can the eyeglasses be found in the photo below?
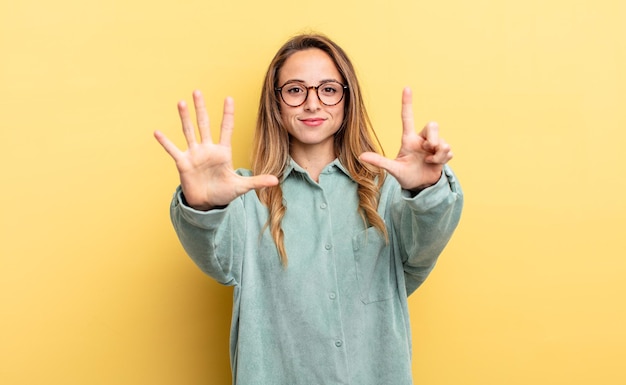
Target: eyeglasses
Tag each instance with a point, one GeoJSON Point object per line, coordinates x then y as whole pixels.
{"type": "Point", "coordinates": [294, 94]}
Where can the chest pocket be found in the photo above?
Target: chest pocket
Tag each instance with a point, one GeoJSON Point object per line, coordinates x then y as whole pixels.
{"type": "Point", "coordinates": [374, 266]}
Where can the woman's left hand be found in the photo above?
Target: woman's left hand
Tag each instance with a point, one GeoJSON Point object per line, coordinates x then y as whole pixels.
{"type": "Point", "coordinates": [420, 162]}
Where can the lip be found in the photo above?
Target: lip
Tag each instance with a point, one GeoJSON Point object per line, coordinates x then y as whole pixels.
{"type": "Point", "coordinates": [312, 122]}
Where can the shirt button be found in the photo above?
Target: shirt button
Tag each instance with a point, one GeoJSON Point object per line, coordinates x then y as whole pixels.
{"type": "Point", "coordinates": [323, 206]}
{"type": "Point", "coordinates": [328, 246]}
{"type": "Point", "coordinates": [332, 295]}
{"type": "Point", "coordinates": [338, 343]}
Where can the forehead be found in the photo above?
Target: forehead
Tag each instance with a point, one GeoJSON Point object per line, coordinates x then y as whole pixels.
{"type": "Point", "coordinates": [309, 66]}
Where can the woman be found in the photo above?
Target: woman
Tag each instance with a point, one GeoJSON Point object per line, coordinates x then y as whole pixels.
{"type": "Point", "coordinates": [324, 240]}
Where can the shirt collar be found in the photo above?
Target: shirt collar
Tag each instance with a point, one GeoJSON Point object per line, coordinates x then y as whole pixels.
{"type": "Point", "coordinates": [293, 166]}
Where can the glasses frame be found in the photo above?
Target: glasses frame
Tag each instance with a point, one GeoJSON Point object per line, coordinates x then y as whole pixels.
{"type": "Point", "coordinates": [316, 88]}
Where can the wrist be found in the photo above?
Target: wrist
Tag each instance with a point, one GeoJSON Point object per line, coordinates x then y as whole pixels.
{"type": "Point", "coordinates": [420, 188]}
{"type": "Point", "coordinates": [199, 207]}
{"type": "Point", "coordinates": [417, 190]}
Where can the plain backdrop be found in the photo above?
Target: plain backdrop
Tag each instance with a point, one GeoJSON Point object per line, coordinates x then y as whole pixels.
{"type": "Point", "coordinates": [95, 288]}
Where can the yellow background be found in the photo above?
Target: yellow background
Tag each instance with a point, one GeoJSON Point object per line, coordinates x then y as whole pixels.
{"type": "Point", "coordinates": [95, 288]}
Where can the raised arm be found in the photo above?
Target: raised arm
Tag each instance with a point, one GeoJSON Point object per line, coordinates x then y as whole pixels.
{"type": "Point", "coordinates": [425, 222]}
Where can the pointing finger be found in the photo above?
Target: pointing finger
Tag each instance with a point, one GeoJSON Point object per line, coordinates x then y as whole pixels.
{"type": "Point", "coordinates": [408, 124]}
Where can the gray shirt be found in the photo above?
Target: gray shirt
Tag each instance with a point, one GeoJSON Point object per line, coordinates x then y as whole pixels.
{"type": "Point", "coordinates": [337, 314]}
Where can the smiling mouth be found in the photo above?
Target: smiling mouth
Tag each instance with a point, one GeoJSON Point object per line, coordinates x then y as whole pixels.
{"type": "Point", "coordinates": [313, 121]}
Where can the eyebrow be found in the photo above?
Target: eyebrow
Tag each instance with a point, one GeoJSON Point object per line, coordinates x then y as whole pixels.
{"type": "Point", "coordinates": [320, 82]}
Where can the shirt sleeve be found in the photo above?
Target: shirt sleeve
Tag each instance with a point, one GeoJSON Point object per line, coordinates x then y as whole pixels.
{"type": "Point", "coordinates": [209, 238]}
{"type": "Point", "coordinates": [424, 224]}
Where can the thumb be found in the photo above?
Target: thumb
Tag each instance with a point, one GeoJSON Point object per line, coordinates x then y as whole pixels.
{"type": "Point", "coordinates": [261, 181]}
{"type": "Point", "coordinates": [377, 160]}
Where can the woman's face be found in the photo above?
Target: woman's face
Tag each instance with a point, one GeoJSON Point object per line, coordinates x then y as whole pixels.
{"type": "Point", "coordinates": [312, 125]}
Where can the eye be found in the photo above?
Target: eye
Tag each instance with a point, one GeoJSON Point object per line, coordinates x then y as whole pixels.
{"type": "Point", "coordinates": [330, 88]}
{"type": "Point", "coordinates": [294, 89]}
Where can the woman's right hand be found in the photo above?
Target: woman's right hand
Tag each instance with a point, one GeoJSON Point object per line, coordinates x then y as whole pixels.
{"type": "Point", "coordinates": [206, 171]}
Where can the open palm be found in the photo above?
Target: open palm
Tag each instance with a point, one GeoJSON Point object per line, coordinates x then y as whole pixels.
{"type": "Point", "coordinates": [206, 172]}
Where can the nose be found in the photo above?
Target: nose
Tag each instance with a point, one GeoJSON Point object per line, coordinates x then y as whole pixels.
{"type": "Point", "coordinates": [312, 101]}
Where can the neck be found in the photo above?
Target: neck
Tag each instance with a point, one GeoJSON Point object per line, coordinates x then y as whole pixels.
{"type": "Point", "coordinates": [313, 159]}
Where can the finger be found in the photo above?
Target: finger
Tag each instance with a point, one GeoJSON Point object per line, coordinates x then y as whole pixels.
{"type": "Point", "coordinates": [188, 128]}
{"type": "Point", "coordinates": [408, 125]}
{"type": "Point", "coordinates": [167, 145]}
{"type": "Point", "coordinates": [202, 117]}
{"type": "Point", "coordinates": [256, 182]}
{"type": "Point", "coordinates": [260, 181]}
{"type": "Point", "coordinates": [430, 133]}
{"type": "Point", "coordinates": [378, 161]}
{"type": "Point", "coordinates": [228, 122]}
{"type": "Point", "coordinates": [443, 154]}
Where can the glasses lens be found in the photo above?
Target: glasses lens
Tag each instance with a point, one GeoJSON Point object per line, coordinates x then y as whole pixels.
{"type": "Point", "coordinates": [330, 93]}
{"type": "Point", "coordinates": [294, 94]}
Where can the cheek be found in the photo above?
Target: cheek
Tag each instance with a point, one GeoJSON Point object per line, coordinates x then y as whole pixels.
{"type": "Point", "coordinates": [339, 114]}
{"type": "Point", "coordinates": [286, 119]}
{"type": "Point", "coordinates": [286, 112]}
{"type": "Point", "coordinates": [284, 115]}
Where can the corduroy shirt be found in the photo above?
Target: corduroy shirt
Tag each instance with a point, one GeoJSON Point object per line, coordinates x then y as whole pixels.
{"type": "Point", "coordinates": [337, 314]}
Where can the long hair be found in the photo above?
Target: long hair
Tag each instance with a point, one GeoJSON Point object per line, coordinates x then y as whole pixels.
{"type": "Point", "coordinates": [355, 136]}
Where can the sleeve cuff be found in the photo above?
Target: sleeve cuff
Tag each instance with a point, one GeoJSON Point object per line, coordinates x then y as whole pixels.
{"type": "Point", "coordinates": [204, 219]}
{"type": "Point", "coordinates": [435, 194]}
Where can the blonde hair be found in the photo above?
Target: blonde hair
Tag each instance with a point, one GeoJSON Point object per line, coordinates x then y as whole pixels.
{"type": "Point", "coordinates": [355, 136]}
